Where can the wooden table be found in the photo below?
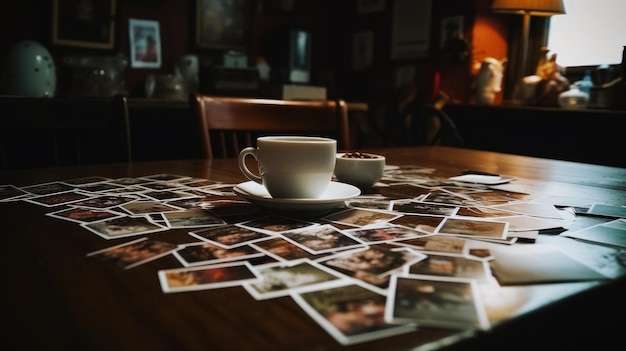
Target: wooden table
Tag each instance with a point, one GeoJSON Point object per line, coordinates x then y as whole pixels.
{"type": "Point", "coordinates": [54, 297]}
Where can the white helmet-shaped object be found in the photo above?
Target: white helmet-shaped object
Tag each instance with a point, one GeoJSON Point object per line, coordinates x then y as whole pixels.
{"type": "Point", "coordinates": [29, 70]}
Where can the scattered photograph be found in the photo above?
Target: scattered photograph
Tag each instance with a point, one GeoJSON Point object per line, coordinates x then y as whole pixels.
{"type": "Point", "coordinates": [123, 226]}
{"type": "Point", "coordinates": [146, 207]}
{"type": "Point", "coordinates": [523, 223]}
{"type": "Point", "coordinates": [441, 196]}
{"type": "Point", "coordinates": [86, 180]}
{"type": "Point", "coordinates": [201, 253]}
{"type": "Point", "coordinates": [277, 224]}
{"type": "Point", "coordinates": [284, 250]}
{"type": "Point", "coordinates": [129, 181]}
{"type": "Point", "coordinates": [404, 191]}
{"type": "Point", "coordinates": [611, 233]}
{"type": "Point", "coordinates": [127, 190]}
{"type": "Point", "coordinates": [608, 210]}
{"type": "Point", "coordinates": [229, 236]}
{"type": "Point", "coordinates": [425, 208]}
{"type": "Point", "coordinates": [384, 233]}
{"type": "Point", "coordinates": [423, 223]}
{"type": "Point", "coordinates": [492, 197]}
{"type": "Point", "coordinates": [351, 314]}
{"type": "Point", "coordinates": [457, 266]}
{"type": "Point", "coordinates": [57, 199]}
{"type": "Point", "coordinates": [47, 188]}
{"type": "Point", "coordinates": [360, 217]}
{"type": "Point", "coordinates": [321, 239]}
{"type": "Point", "coordinates": [161, 186]}
{"type": "Point", "coordinates": [435, 302]}
{"type": "Point", "coordinates": [374, 204]}
{"type": "Point", "coordinates": [477, 228]}
{"type": "Point", "coordinates": [199, 183]}
{"type": "Point", "coordinates": [204, 202]}
{"type": "Point", "coordinates": [192, 219]}
{"type": "Point", "coordinates": [167, 195]}
{"type": "Point", "coordinates": [482, 212]}
{"type": "Point", "coordinates": [531, 209]}
{"type": "Point", "coordinates": [374, 260]}
{"type": "Point", "coordinates": [283, 278]}
{"type": "Point", "coordinates": [9, 192]}
{"type": "Point", "coordinates": [83, 215]}
{"type": "Point", "coordinates": [106, 201]}
{"type": "Point", "coordinates": [436, 243]}
{"type": "Point", "coordinates": [134, 253]}
{"type": "Point", "coordinates": [100, 187]}
{"type": "Point", "coordinates": [203, 278]}
{"type": "Point", "coordinates": [165, 177]}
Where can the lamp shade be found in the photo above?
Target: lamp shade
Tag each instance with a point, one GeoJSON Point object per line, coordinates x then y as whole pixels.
{"type": "Point", "coordinates": [531, 7]}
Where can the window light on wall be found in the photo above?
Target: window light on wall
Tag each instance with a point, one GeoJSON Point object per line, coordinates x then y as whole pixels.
{"type": "Point", "coordinates": [590, 34]}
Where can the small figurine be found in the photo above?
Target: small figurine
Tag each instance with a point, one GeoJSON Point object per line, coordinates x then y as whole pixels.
{"type": "Point", "coordinates": [552, 83]}
{"type": "Point", "coordinates": [544, 87]}
{"type": "Point", "coordinates": [488, 81]}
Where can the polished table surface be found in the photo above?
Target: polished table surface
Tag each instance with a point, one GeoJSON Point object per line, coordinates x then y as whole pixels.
{"type": "Point", "coordinates": [55, 297]}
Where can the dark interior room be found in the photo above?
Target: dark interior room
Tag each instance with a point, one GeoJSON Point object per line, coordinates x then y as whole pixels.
{"type": "Point", "coordinates": [315, 175]}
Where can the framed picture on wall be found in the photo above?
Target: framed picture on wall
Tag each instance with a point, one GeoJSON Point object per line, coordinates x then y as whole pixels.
{"type": "Point", "coordinates": [84, 23]}
{"type": "Point", "coordinates": [369, 6]}
{"type": "Point", "coordinates": [222, 24]}
{"type": "Point", "coordinates": [410, 32]}
{"type": "Point", "coordinates": [145, 43]}
{"type": "Point", "coordinates": [451, 29]}
{"type": "Point", "coordinates": [362, 49]}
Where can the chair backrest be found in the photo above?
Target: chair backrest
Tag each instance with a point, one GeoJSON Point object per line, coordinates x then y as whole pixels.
{"type": "Point", "coordinates": [228, 124]}
{"type": "Point", "coordinates": [56, 132]}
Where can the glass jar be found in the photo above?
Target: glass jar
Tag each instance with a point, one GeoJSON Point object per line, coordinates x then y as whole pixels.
{"type": "Point", "coordinates": [97, 76]}
{"type": "Point", "coordinates": [573, 98]}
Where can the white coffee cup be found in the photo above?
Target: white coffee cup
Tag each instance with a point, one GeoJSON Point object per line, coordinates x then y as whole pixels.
{"type": "Point", "coordinates": [292, 166]}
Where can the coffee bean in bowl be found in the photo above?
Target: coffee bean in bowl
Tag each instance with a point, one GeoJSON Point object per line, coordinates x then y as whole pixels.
{"type": "Point", "coordinates": [360, 169]}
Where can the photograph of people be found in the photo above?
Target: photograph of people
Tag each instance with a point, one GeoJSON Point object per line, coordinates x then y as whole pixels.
{"type": "Point", "coordinates": [322, 238]}
{"type": "Point", "coordinates": [145, 43]}
{"type": "Point", "coordinates": [123, 226]}
{"type": "Point", "coordinates": [229, 235]}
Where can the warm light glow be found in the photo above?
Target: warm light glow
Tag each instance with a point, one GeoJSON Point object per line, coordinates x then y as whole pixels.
{"type": "Point", "coordinates": [489, 41]}
{"type": "Point", "coordinates": [532, 7]}
{"type": "Point", "coordinates": [527, 8]}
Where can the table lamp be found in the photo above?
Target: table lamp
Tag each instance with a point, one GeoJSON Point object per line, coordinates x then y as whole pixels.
{"type": "Point", "coordinates": [527, 8]}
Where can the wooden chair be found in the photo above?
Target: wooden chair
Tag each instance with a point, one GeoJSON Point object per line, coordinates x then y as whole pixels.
{"type": "Point", "coordinates": [56, 132]}
{"type": "Point", "coordinates": [228, 124]}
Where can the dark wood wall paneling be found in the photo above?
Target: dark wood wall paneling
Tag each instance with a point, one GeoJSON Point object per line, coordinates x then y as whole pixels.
{"type": "Point", "coordinates": [333, 24]}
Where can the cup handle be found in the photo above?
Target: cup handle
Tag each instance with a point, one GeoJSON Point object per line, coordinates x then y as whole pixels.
{"type": "Point", "coordinates": [242, 164]}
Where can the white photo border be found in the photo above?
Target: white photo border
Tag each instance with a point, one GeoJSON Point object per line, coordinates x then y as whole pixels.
{"type": "Point", "coordinates": [137, 29]}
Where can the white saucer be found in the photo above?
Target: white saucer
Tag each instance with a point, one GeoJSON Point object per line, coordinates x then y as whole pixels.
{"type": "Point", "coordinates": [335, 196]}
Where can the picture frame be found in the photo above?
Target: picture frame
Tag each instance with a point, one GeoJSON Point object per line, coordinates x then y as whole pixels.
{"type": "Point", "coordinates": [410, 32]}
{"type": "Point", "coordinates": [87, 24]}
{"type": "Point", "coordinates": [362, 49]}
{"type": "Point", "coordinates": [451, 28]}
{"type": "Point", "coordinates": [145, 43]}
{"type": "Point", "coordinates": [369, 6]}
{"type": "Point", "coordinates": [222, 25]}
{"type": "Point", "coordinates": [278, 6]}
